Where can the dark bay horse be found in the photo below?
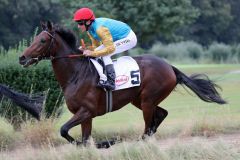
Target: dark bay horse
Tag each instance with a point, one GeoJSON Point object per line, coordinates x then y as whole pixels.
{"type": "Point", "coordinates": [78, 79]}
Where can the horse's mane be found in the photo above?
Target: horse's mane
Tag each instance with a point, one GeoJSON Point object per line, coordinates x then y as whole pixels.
{"type": "Point", "coordinates": [86, 69]}
{"type": "Point", "coordinates": [68, 36]}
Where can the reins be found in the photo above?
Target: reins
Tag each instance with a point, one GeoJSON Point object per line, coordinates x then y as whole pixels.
{"type": "Point", "coordinates": [59, 57]}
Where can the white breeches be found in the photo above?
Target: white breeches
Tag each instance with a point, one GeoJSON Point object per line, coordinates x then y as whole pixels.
{"type": "Point", "coordinates": [120, 46]}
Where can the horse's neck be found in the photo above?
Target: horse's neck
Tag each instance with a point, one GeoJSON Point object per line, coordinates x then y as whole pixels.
{"type": "Point", "coordinates": [68, 70]}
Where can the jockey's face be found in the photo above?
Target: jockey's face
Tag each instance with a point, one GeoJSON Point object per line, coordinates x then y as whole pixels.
{"type": "Point", "coordinates": [82, 27]}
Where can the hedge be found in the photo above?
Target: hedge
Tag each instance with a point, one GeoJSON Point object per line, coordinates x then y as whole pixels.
{"type": "Point", "coordinates": [35, 79]}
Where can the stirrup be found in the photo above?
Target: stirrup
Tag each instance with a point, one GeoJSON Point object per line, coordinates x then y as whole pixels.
{"type": "Point", "coordinates": [106, 85]}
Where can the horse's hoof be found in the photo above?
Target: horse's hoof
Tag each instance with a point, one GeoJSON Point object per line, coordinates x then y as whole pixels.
{"type": "Point", "coordinates": [108, 143]}
{"type": "Point", "coordinates": [77, 143]}
{"type": "Point", "coordinates": [105, 144]}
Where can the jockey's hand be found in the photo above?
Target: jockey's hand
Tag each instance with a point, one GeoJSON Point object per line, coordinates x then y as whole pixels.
{"type": "Point", "coordinates": [87, 53]}
{"type": "Point", "coordinates": [81, 48]}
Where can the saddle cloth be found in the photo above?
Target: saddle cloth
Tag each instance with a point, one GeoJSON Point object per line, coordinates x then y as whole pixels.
{"type": "Point", "coordinates": [127, 72]}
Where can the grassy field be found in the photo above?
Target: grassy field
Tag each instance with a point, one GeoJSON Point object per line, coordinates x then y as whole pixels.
{"type": "Point", "coordinates": [188, 116]}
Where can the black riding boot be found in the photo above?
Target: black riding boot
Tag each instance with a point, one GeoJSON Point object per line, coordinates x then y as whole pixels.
{"type": "Point", "coordinates": [110, 83]}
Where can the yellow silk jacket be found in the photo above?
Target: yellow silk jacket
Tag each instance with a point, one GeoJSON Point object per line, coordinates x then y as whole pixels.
{"type": "Point", "coordinates": [106, 39]}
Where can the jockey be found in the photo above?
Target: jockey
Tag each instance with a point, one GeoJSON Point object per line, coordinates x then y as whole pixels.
{"type": "Point", "coordinates": [108, 37]}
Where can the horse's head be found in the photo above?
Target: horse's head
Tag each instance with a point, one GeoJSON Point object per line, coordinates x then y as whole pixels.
{"type": "Point", "coordinates": [41, 47]}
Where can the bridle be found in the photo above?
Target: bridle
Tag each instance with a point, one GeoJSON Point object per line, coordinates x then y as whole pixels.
{"type": "Point", "coordinates": [46, 55]}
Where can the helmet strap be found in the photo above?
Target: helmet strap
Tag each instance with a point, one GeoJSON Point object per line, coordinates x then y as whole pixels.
{"type": "Point", "coordinates": [87, 24]}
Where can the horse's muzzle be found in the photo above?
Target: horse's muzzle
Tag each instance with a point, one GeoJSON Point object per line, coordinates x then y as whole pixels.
{"type": "Point", "coordinates": [22, 60]}
{"type": "Point", "coordinates": [25, 62]}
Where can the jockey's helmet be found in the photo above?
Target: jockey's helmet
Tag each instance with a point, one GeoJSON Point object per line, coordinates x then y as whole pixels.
{"type": "Point", "coordinates": [83, 14]}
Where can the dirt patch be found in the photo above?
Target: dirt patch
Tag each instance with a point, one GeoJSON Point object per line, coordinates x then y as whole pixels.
{"type": "Point", "coordinates": [230, 139]}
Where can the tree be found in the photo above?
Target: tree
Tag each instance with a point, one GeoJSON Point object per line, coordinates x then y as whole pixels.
{"type": "Point", "coordinates": [213, 22]}
{"type": "Point", "coordinates": [19, 19]}
{"type": "Point", "coordinates": [150, 19]}
{"type": "Point", "coordinates": [232, 34]}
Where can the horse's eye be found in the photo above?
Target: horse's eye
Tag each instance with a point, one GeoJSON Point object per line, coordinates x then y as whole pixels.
{"type": "Point", "coordinates": [43, 41]}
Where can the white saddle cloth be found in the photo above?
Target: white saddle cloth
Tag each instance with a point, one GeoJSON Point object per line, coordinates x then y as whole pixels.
{"type": "Point", "coordinates": [127, 72]}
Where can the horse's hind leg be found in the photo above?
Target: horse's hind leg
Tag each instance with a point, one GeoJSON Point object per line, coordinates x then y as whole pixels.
{"type": "Point", "coordinates": [153, 116]}
{"type": "Point", "coordinates": [148, 113]}
{"type": "Point", "coordinates": [159, 115]}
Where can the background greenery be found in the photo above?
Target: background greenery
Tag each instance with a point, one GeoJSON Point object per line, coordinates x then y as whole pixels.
{"type": "Point", "coordinates": [36, 79]}
{"type": "Point", "coordinates": [204, 21]}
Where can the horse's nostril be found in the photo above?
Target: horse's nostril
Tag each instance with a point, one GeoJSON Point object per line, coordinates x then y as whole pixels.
{"type": "Point", "coordinates": [22, 58]}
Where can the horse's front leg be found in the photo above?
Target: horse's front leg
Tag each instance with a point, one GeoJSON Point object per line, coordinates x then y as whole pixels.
{"type": "Point", "coordinates": [86, 130]}
{"type": "Point", "coordinates": [79, 117]}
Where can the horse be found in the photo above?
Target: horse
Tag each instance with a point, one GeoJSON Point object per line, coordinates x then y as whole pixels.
{"type": "Point", "coordinates": [78, 79]}
{"type": "Point", "coordinates": [32, 104]}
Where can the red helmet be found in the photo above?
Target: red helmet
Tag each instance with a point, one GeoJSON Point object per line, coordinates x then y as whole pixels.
{"type": "Point", "coordinates": [83, 14]}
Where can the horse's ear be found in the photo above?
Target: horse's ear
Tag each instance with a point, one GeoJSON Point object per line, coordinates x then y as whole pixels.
{"type": "Point", "coordinates": [49, 25]}
{"type": "Point", "coordinates": [43, 25]}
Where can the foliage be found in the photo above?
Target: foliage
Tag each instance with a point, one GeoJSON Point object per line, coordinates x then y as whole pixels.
{"type": "Point", "coordinates": [182, 51]}
{"type": "Point", "coordinates": [212, 24]}
{"type": "Point", "coordinates": [18, 19]}
{"type": "Point", "coordinates": [231, 35]}
{"type": "Point", "coordinates": [204, 21]}
{"type": "Point", "coordinates": [150, 19]}
{"type": "Point", "coordinates": [237, 52]}
{"type": "Point", "coordinates": [219, 52]}
{"type": "Point", "coordinates": [195, 50]}
{"type": "Point", "coordinates": [136, 51]}
{"type": "Point", "coordinates": [189, 51]}
{"type": "Point", "coordinates": [36, 79]}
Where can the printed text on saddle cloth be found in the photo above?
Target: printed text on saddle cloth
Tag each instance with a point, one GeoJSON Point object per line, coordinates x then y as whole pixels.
{"type": "Point", "coordinates": [127, 72]}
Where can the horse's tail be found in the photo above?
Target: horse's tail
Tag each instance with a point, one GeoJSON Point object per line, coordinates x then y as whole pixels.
{"type": "Point", "coordinates": [32, 104]}
{"type": "Point", "coordinates": [200, 84]}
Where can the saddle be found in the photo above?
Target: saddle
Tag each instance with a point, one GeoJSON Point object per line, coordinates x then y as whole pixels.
{"type": "Point", "coordinates": [126, 69]}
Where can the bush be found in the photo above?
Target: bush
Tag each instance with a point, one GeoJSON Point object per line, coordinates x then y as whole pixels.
{"type": "Point", "coordinates": [161, 50]}
{"type": "Point", "coordinates": [195, 50]}
{"type": "Point", "coordinates": [220, 52]}
{"type": "Point", "coordinates": [30, 80]}
{"type": "Point", "coordinates": [182, 51]}
{"type": "Point", "coordinates": [136, 51]}
{"type": "Point", "coordinates": [237, 53]}
{"type": "Point", "coordinates": [189, 51]}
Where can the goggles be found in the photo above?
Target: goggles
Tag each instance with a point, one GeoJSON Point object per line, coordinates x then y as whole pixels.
{"type": "Point", "coordinates": [81, 23]}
